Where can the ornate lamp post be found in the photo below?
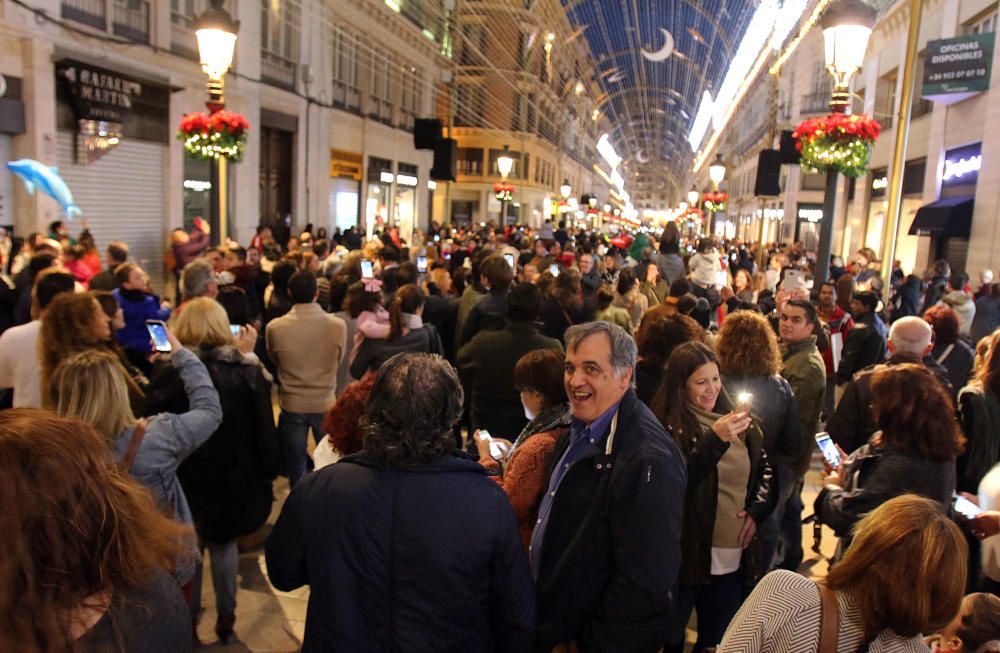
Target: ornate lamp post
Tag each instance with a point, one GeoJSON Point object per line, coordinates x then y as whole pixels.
{"type": "Point", "coordinates": [716, 173]}
{"type": "Point", "coordinates": [847, 24]}
{"type": "Point", "coordinates": [505, 163]}
{"type": "Point", "coordinates": [216, 32]}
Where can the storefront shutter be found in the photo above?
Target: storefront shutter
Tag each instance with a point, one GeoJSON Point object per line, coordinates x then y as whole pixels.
{"type": "Point", "coordinates": [121, 196]}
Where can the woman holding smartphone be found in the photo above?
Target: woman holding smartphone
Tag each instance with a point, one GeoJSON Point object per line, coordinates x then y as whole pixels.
{"type": "Point", "coordinates": [728, 494]}
{"type": "Point", "coordinates": [913, 452]}
{"type": "Point", "coordinates": [227, 480]}
{"type": "Point", "coordinates": [90, 386]}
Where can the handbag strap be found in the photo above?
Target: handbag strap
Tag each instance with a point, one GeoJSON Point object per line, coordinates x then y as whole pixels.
{"type": "Point", "coordinates": [133, 446]}
{"type": "Point", "coordinates": [829, 610]}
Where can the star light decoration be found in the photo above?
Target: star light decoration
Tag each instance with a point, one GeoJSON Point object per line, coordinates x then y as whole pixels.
{"type": "Point", "coordinates": [222, 134]}
{"type": "Point", "coordinates": [837, 142]}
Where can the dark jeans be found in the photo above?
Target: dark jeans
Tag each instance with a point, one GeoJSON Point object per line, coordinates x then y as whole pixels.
{"type": "Point", "coordinates": [781, 532]}
{"type": "Point", "coordinates": [716, 604]}
{"type": "Point", "coordinates": [294, 430]}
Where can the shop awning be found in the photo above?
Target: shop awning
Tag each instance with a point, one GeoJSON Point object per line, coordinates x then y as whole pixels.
{"type": "Point", "coordinates": [946, 218]}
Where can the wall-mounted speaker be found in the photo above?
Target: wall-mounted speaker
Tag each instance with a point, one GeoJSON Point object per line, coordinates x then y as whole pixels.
{"type": "Point", "coordinates": [789, 155]}
{"type": "Point", "coordinates": [444, 159]}
{"type": "Point", "coordinates": [768, 183]}
{"type": "Point", "coordinates": [426, 132]}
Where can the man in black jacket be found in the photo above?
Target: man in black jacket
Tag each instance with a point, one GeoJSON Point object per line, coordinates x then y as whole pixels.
{"type": "Point", "coordinates": [910, 341]}
{"type": "Point", "coordinates": [866, 343]}
{"type": "Point", "coordinates": [606, 546]}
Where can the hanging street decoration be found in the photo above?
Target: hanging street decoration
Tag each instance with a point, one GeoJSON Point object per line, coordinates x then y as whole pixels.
{"type": "Point", "coordinates": [504, 191]}
{"type": "Point", "coordinates": [211, 136]}
{"type": "Point", "coordinates": [663, 53]}
{"type": "Point", "coordinates": [715, 202]}
{"type": "Point", "coordinates": [837, 142]}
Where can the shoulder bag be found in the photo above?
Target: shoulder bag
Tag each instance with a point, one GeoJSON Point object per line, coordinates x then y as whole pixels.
{"type": "Point", "coordinates": [133, 446]}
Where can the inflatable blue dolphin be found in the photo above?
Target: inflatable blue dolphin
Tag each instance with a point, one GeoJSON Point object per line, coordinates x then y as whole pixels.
{"type": "Point", "coordinates": [47, 179]}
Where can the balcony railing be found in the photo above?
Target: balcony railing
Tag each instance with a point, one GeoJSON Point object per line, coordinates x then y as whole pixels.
{"type": "Point", "coordinates": [346, 97]}
{"type": "Point", "coordinates": [818, 102]}
{"type": "Point", "coordinates": [88, 12]}
{"type": "Point", "coordinates": [277, 70]}
{"type": "Point", "coordinates": [130, 19]}
{"type": "Point", "coordinates": [380, 109]}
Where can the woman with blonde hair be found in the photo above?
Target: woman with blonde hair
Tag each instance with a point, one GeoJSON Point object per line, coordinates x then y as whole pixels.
{"type": "Point", "coordinates": [89, 385]}
{"type": "Point", "coordinates": [73, 322]}
{"type": "Point", "coordinates": [87, 554]}
{"type": "Point", "coordinates": [904, 575]}
{"type": "Point", "coordinates": [227, 480]}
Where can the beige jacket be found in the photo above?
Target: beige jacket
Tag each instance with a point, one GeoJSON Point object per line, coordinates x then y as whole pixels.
{"type": "Point", "coordinates": [306, 346]}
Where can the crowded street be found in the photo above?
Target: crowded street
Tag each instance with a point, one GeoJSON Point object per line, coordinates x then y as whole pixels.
{"type": "Point", "coordinates": [524, 326]}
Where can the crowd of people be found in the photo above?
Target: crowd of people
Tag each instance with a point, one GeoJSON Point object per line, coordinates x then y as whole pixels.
{"type": "Point", "coordinates": [523, 440]}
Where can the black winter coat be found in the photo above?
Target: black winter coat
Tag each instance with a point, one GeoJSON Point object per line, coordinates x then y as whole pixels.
{"type": "Point", "coordinates": [703, 455]}
{"type": "Point", "coordinates": [227, 480]}
{"type": "Point", "coordinates": [864, 345]}
{"type": "Point", "coordinates": [777, 413]}
{"type": "Point", "coordinates": [611, 551]}
{"type": "Point", "coordinates": [876, 473]}
{"type": "Point", "coordinates": [422, 560]}
{"type": "Point", "coordinates": [853, 422]}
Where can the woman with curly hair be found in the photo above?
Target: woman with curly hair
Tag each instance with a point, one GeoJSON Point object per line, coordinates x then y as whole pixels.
{"type": "Point", "coordinates": [950, 351]}
{"type": "Point", "coordinates": [73, 323]}
{"type": "Point", "coordinates": [656, 340]}
{"type": "Point", "coordinates": [87, 554]}
{"type": "Point", "coordinates": [750, 360]}
{"type": "Point", "coordinates": [913, 452]}
{"type": "Point", "coordinates": [406, 533]}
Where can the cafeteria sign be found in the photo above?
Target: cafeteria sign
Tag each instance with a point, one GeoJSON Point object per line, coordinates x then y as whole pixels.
{"type": "Point", "coordinates": [958, 68]}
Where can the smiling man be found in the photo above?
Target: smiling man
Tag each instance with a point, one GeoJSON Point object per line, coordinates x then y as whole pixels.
{"type": "Point", "coordinates": [606, 547]}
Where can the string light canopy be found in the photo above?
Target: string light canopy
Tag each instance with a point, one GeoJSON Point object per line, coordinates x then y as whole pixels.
{"type": "Point", "coordinates": [647, 103]}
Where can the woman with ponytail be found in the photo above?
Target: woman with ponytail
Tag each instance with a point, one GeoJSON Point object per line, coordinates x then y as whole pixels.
{"type": "Point", "coordinates": [407, 332]}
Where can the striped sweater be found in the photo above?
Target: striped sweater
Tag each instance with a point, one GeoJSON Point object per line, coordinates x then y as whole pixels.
{"type": "Point", "coordinates": [782, 615]}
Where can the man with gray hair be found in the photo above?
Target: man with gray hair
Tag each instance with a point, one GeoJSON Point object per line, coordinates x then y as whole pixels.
{"type": "Point", "coordinates": [606, 546]}
{"type": "Point", "coordinates": [910, 341]}
{"type": "Point", "coordinates": [198, 280]}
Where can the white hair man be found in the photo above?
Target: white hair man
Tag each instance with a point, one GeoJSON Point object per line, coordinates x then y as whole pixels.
{"type": "Point", "coordinates": [910, 341]}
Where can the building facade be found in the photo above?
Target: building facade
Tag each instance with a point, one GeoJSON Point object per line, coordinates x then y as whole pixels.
{"type": "Point", "coordinates": [331, 91]}
{"type": "Point", "coordinates": [526, 85]}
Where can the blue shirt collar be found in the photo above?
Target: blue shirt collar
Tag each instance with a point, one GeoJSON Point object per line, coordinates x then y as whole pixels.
{"type": "Point", "coordinates": [597, 427]}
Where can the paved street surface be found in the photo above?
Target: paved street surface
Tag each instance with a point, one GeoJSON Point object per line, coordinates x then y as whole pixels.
{"type": "Point", "coordinates": [269, 621]}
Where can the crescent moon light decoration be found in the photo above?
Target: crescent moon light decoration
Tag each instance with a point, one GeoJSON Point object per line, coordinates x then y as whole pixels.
{"type": "Point", "coordinates": [641, 157]}
{"type": "Point", "coordinates": [665, 51]}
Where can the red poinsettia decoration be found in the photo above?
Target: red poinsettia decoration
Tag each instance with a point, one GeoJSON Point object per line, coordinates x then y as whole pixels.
{"type": "Point", "coordinates": [210, 136]}
{"type": "Point", "coordinates": [838, 141]}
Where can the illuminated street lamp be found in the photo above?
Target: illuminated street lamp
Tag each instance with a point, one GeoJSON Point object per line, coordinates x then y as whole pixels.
{"type": "Point", "coordinates": [716, 173]}
{"type": "Point", "coordinates": [565, 190]}
{"type": "Point", "coordinates": [693, 195]}
{"type": "Point", "coordinates": [505, 163]}
{"type": "Point", "coordinates": [216, 32]}
{"type": "Point", "coordinates": [847, 24]}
